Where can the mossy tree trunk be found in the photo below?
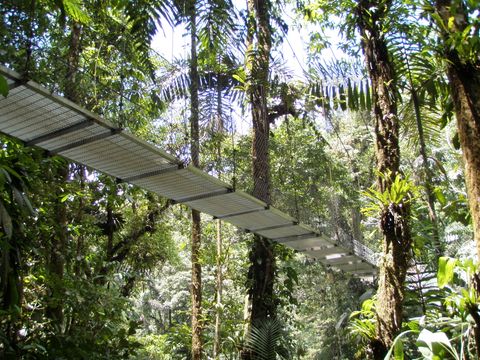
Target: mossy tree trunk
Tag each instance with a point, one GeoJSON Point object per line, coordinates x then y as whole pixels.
{"type": "Point", "coordinates": [463, 72]}
{"type": "Point", "coordinates": [262, 260]}
{"type": "Point", "coordinates": [196, 291]}
{"type": "Point", "coordinates": [394, 217]}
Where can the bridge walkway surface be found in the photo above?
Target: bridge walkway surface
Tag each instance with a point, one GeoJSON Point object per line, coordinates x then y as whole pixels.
{"type": "Point", "coordinates": [34, 115]}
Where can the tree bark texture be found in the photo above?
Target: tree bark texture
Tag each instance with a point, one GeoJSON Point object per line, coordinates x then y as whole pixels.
{"type": "Point", "coordinates": [258, 60]}
{"type": "Point", "coordinates": [394, 218]}
{"type": "Point", "coordinates": [197, 346]}
{"type": "Point", "coordinates": [73, 58]}
{"type": "Point", "coordinates": [262, 260]}
{"type": "Point", "coordinates": [217, 341]}
{"type": "Point", "coordinates": [56, 264]}
{"type": "Point", "coordinates": [464, 77]}
{"type": "Point", "coordinates": [197, 326]}
{"type": "Point", "coordinates": [217, 348]}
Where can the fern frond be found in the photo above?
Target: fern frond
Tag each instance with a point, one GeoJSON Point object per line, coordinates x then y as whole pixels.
{"type": "Point", "coordinates": [266, 339]}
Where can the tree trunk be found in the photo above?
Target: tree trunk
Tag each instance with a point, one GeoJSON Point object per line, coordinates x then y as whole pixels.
{"type": "Point", "coordinates": [428, 176]}
{"type": "Point", "coordinates": [11, 282]}
{"type": "Point", "coordinates": [217, 341]}
{"type": "Point", "coordinates": [394, 218]}
{"type": "Point", "coordinates": [73, 58]}
{"type": "Point", "coordinates": [262, 260]}
{"type": "Point", "coordinates": [56, 263]}
{"type": "Point", "coordinates": [219, 285]}
{"type": "Point", "coordinates": [464, 77]}
{"type": "Point", "coordinates": [197, 347]}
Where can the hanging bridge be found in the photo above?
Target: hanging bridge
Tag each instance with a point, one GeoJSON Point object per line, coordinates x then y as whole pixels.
{"type": "Point", "coordinates": [34, 115]}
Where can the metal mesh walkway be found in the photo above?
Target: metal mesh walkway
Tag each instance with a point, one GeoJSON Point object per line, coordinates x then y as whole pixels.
{"type": "Point", "coordinates": [37, 117]}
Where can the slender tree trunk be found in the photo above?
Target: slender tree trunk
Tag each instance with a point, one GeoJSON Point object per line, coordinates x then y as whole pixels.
{"type": "Point", "coordinates": [219, 285]}
{"type": "Point", "coordinates": [73, 58]}
{"type": "Point", "coordinates": [80, 218]}
{"type": "Point", "coordinates": [109, 225]}
{"type": "Point", "coordinates": [56, 262]}
{"type": "Point", "coordinates": [197, 346]}
{"type": "Point", "coordinates": [217, 341]}
{"type": "Point", "coordinates": [262, 259]}
{"type": "Point", "coordinates": [464, 78]}
{"type": "Point", "coordinates": [11, 282]}
{"type": "Point", "coordinates": [428, 175]}
{"type": "Point", "coordinates": [394, 218]}
{"type": "Point", "coordinates": [356, 224]}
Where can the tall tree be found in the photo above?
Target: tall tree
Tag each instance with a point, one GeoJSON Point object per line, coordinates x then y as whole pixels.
{"type": "Point", "coordinates": [459, 29]}
{"type": "Point", "coordinates": [56, 263]}
{"type": "Point", "coordinates": [262, 260]}
{"type": "Point", "coordinates": [217, 344]}
{"type": "Point", "coordinates": [197, 347]}
{"type": "Point", "coordinates": [394, 225]}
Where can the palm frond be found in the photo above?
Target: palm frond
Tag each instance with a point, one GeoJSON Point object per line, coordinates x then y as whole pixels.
{"type": "Point", "coordinates": [144, 16]}
{"type": "Point", "coordinates": [339, 85]}
{"type": "Point", "coordinates": [266, 340]}
{"type": "Point", "coordinates": [175, 81]}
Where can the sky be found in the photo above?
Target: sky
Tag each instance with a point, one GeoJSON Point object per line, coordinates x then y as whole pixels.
{"type": "Point", "coordinates": [170, 42]}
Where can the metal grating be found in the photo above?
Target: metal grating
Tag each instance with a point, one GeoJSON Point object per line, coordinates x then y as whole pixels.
{"type": "Point", "coordinates": [232, 203]}
{"type": "Point", "coordinates": [308, 243]}
{"type": "Point", "coordinates": [180, 184]}
{"type": "Point", "coordinates": [271, 217]}
{"type": "Point", "coordinates": [116, 156]}
{"type": "Point", "coordinates": [293, 230]}
{"type": "Point", "coordinates": [32, 114]}
{"type": "Point", "coordinates": [357, 267]}
{"type": "Point", "coordinates": [341, 260]}
{"type": "Point", "coordinates": [326, 251]}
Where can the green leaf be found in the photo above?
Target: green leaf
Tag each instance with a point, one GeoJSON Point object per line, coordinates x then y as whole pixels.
{"type": "Point", "coordinates": [368, 98]}
{"type": "Point", "coordinates": [398, 350]}
{"type": "Point", "coordinates": [446, 265]}
{"type": "Point", "coordinates": [362, 97]}
{"type": "Point", "coordinates": [73, 8]}
{"type": "Point", "coordinates": [397, 347]}
{"type": "Point", "coordinates": [456, 141]}
{"type": "Point", "coordinates": [350, 96]}
{"type": "Point", "coordinates": [435, 345]}
{"type": "Point", "coordinates": [239, 78]}
{"type": "Point", "coordinates": [6, 220]}
{"type": "Point", "coordinates": [3, 86]}
{"type": "Point", "coordinates": [440, 197]}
